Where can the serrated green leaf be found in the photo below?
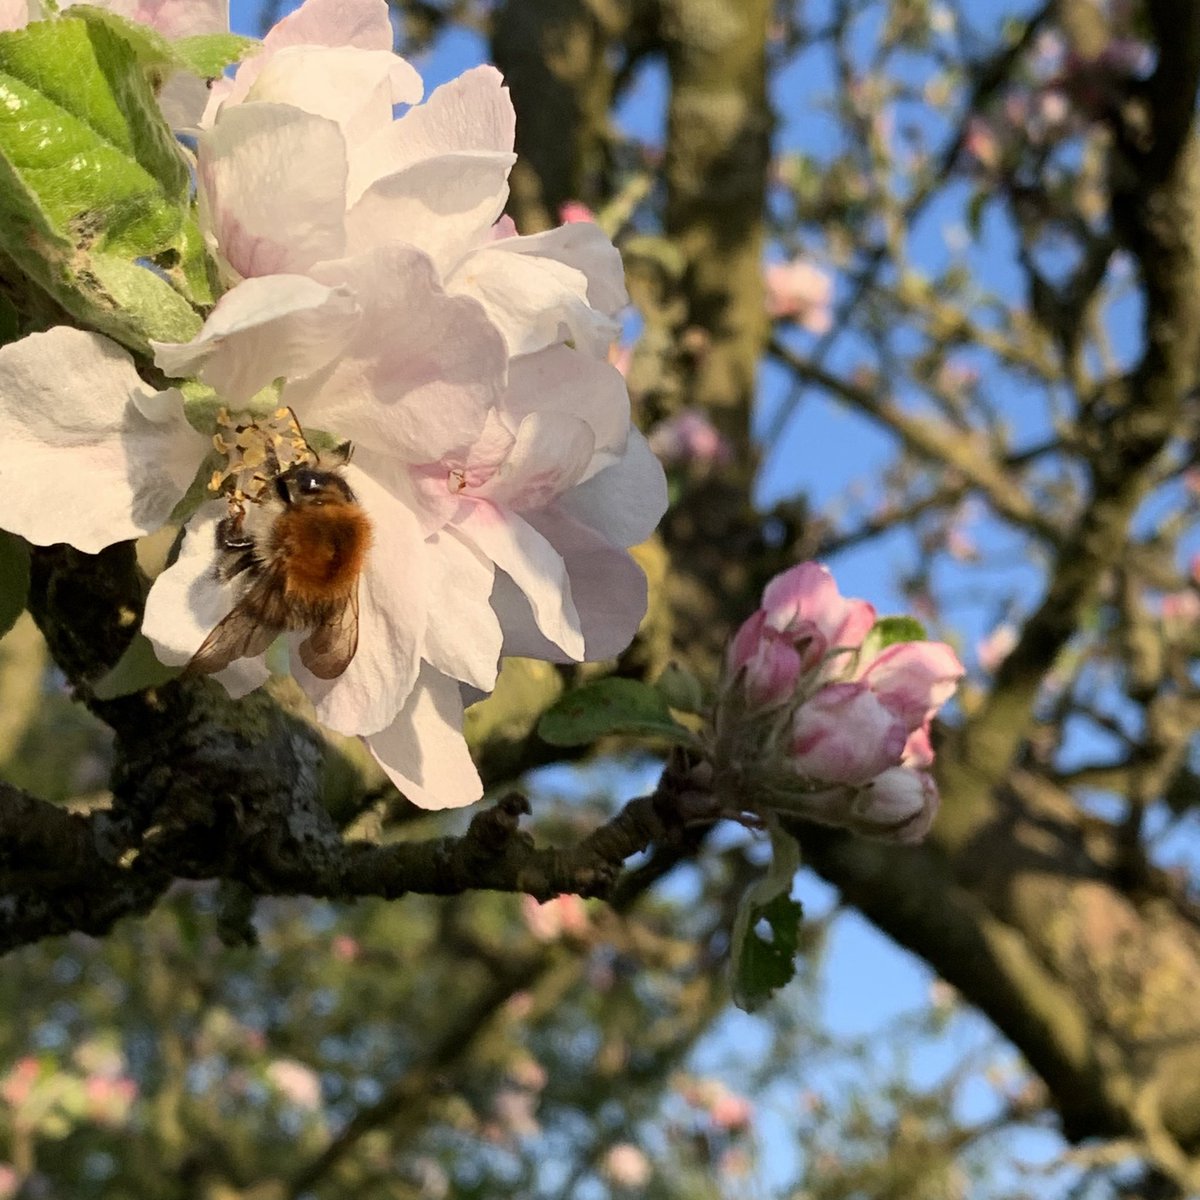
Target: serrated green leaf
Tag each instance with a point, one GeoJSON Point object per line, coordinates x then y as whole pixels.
{"type": "Point", "coordinates": [610, 706]}
{"type": "Point", "coordinates": [88, 168]}
{"type": "Point", "coordinates": [14, 579]}
{"type": "Point", "coordinates": [149, 46]}
{"type": "Point", "coordinates": [208, 54]}
{"type": "Point", "coordinates": [760, 965]}
{"type": "Point", "coordinates": [137, 669]}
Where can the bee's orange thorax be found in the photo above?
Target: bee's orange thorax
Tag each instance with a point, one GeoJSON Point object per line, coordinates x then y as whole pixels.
{"type": "Point", "coordinates": [322, 549]}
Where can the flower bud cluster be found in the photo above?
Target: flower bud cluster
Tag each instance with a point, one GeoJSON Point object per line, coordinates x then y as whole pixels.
{"type": "Point", "coordinates": [823, 719]}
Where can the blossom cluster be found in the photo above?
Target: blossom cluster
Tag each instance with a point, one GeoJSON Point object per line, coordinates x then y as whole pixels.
{"type": "Point", "coordinates": [374, 289]}
{"type": "Point", "coordinates": [814, 697]}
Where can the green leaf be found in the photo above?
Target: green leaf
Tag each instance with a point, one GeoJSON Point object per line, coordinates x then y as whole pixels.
{"type": "Point", "coordinates": [610, 706]}
{"type": "Point", "coordinates": [92, 181]}
{"type": "Point", "coordinates": [137, 669]}
{"type": "Point", "coordinates": [208, 54]}
{"type": "Point", "coordinates": [763, 962]}
{"type": "Point", "coordinates": [14, 579]}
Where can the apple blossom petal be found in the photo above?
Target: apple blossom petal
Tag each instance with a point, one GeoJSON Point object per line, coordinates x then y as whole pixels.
{"type": "Point", "coordinates": [472, 113]}
{"type": "Point", "coordinates": [361, 23]}
{"type": "Point", "coordinates": [534, 566]}
{"type": "Point", "coordinates": [423, 750]}
{"type": "Point", "coordinates": [93, 455]}
{"type": "Point", "coordinates": [585, 248]}
{"type": "Point", "coordinates": [550, 453]}
{"type": "Point", "coordinates": [392, 598]}
{"type": "Point", "coordinates": [355, 88]}
{"type": "Point", "coordinates": [265, 328]}
{"type": "Point", "coordinates": [608, 588]}
{"type": "Point", "coordinates": [445, 205]}
{"type": "Point", "coordinates": [533, 301]}
{"type": "Point", "coordinates": [182, 100]}
{"type": "Point", "coordinates": [463, 636]}
{"type": "Point", "coordinates": [624, 502]}
{"type": "Point", "coordinates": [898, 805]}
{"type": "Point", "coordinates": [189, 599]}
{"type": "Point", "coordinates": [914, 679]}
{"type": "Point", "coordinates": [559, 379]}
{"type": "Point", "coordinates": [806, 591]}
{"type": "Point", "coordinates": [421, 370]}
{"type": "Point", "coordinates": [273, 188]}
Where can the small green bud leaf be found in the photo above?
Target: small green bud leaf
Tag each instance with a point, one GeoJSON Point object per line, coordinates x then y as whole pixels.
{"type": "Point", "coordinates": [208, 54]}
{"type": "Point", "coordinates": [890, 631]}
{"type": "Point", "coordinates": [681, 689]}
{"type": "Point", "coordinates": [761, 963]}
{"type": "Point", "coordinates": [610, 706]}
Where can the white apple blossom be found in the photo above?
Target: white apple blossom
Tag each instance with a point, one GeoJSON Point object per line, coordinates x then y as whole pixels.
{"type": "Point", "coordinates": [374, 281]}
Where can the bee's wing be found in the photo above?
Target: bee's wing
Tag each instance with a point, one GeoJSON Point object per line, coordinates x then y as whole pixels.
{"type": "Point", "coordinates": [241, 634]}
{"type": "Point", "coordinates": [327, 651]}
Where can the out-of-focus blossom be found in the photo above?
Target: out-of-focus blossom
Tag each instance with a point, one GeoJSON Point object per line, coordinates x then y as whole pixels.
{"type": "Point", "coordinates": [627, 1166]}
{"type": "Point", "coordinates": [108, 1099]}
{"type": "Point", "coordinates": [993, 649]}
{"type": "Point", "coordinates": [17, 1085]}
{"type": "Point", "coordinates": [515, 1111]}
{"type": "Point", "coordinates": [561, 916]}
{"type": "Point", "coordinates": [1180, 610]}
{"type": "Point", "coordinates": [689, 437]}
{"type": "Point", "coordinates": [731, 1112]}
{"type": "Point", "coordinates": [10, 1181]}
{"type": "Point", "coordinates": [572, 211]}
{"type": "Point", "coordinates": [296, 1083]}
{"type": "Point", "coordinates": [800, 292]}
{"type": "Point", "coordinates": [345, 948]}
{"type": "Point", "coordinates": [808, 694]}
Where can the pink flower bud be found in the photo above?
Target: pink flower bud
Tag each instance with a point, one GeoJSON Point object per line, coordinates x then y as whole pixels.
{"type": "Point", "coordinates": [899, 805]}
{"type": "Point", "coordinates": [807, 593]}
{"type": "Point", "coordinates": [772, 664]}
{"type": "Point", "coordinates": [800, 291]}
{"type": "Point", "coordinates": [573, 212]}
{"type": "Point", "coordinates": [845, 734]}
{"type": "Point", "coordinates": [914, 679]}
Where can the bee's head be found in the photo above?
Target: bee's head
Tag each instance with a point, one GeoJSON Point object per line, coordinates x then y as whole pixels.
{"type": "Point", "coordinates": [309, 486]}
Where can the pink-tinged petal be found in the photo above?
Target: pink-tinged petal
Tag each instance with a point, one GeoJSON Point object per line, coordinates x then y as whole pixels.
{"type": "Point", "coordinates": [178, 18]}
{"type": "Point", "coordinates": [771, 666]}
{"type": "Point", "coordinates": [272, 189]}
{"type": "Point", "coordinates": [550, 453]}
{"type": "Point", "coordinates": [462, 637]}
{"type": "Point", "coordinates": [445, 205]}
{"type": "Point", "coordinates": [858, 620]}
{"type": "Point", "coordinates": [423, 750]}
{"type": "Point", "coordinates": [188, 601]}
{"type": "Point", "coordinates": [16, 14]}
{"type": "Point", "coordinates": [421, 371]}
{"type": "Point", "coordinates": [899, 806]}
{"type": "Point", "coordinates": [607, 587]}
{"type": "Point", "coordinates": [624, 502]}
{"type": "Point", "coordinates": [470, 114]}
{"type": "Point", "coordinates": [844, 734]}
{"type": "Point", "coordinates": [807, 594]}
{"type": "Point", "coordinates": [585, 248]}
{"type": "Point", "coordinates": [533, 301]}
{"type": "Point", "coordinates": [263, 329]}
{"type": "Point", "coordinates": [92, 454]}
{"type": "Point", "coordinates": [559, 379]}
{"type": "Point", "coordinates": [361, 23]}
{"type": "Point", "coordinates": [918, 750]}
{"type": "Point", "coordinates": [534, 565]}
{"type": "Point", "coordinates": [392, 597]}
{"type": "Point", "coordinates": [914, 679]}
{"type": "Point", "coordinates": [355, 88]}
